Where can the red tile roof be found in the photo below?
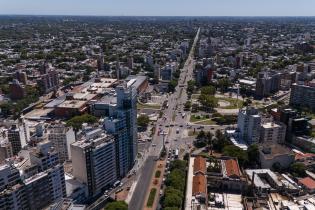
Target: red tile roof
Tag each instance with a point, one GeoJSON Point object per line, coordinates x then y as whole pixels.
{"type": "Point", "coordinates": [199, 184]}
{"type": "Point", "coordinates": [299, 156]}
{"type": "Point", "coordinates": [200, 165]}
{"type": "Point", "coordinates": [308, 183]}
{"type": "Point", "coordinates": [232, 169]}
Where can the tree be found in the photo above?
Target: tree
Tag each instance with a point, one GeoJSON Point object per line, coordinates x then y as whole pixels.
{"type": "Point", "coordinates": [187, 105]}
{"type": "Point", "coordinates": [143, 120]}
{"type": "Point", "coordinates": [172, 85]}
{"type": "Point", "coordinates": [201, 134]}
{"type": "Point", "coordinates": [208, 90]}
{"type": "Point", "coordinates": [172, 200]}
{"type": "Point", "coordinates": [209, 137]}
{"type": "Point", "coordinates": [234, 151]}
{"type": "Point", "coordinates": [208, 102]}
{"type": "Point", "coordinates": [298, 169]}
{"type": "Point", "coordinates": [191, 86]}
{"type": "Point", "coordinates": [223, 84]}
{"type": "Point", "coordinates": [77, 121]}
{"type": "Point", "coordinates": [176, 179]}
{"type": "Point", "coordinates": [178, 164]}
{"type": "Point", "coordinates": [253, 154]}
{"type": "Point", "coordinates": [116, 205]}
{"type": "Point", "coordinates": [219, 135]}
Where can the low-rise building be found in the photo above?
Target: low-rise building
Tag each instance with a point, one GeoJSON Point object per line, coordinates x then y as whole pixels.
{"type": "Point", "coordinates": [275, 155]}
{"type": "Point", "coordinates": [272, 133]}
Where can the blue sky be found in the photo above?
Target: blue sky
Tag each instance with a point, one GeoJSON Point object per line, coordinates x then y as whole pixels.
{"type": "Point", "coordinates": [160, 7]}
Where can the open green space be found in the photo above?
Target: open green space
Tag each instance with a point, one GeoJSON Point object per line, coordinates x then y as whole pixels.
{"type": "Point", "coordinates": [234, 103]}
{"type": "Point", "coordinates": [196, 118]}
{"type": "Point", "coordinates": [151, 197]}
{"type": "Point", "coordinates": [148, 106]}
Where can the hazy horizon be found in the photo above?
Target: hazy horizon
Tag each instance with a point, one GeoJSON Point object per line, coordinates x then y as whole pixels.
{"type": "Point", "coordinates": [189, 8]}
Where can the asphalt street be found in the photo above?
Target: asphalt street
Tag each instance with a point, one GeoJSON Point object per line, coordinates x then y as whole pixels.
{"type": "Point", "coordinates": [175, 101]}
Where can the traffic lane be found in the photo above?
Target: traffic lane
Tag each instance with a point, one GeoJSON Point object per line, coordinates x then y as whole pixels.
{"type": "Point", "coordinates": [138, 199]}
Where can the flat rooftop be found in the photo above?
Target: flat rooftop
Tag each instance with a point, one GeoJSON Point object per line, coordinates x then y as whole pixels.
{"type": "Point", "coordinates": [75, 104]}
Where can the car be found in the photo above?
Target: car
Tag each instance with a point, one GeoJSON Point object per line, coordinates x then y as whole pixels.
{"type": "Point", "coordinates": [153, 145]}
{"type": "Point", "coordinates": [181, 126]}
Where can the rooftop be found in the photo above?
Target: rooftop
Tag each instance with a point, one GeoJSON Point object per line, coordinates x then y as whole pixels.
{"type": "Point", "coordinates": [199, 184]}
{"type": "Point", "coordinates": [75, 104]}
{"type": "Point", "coordinates": [200, 165]}
{"type": "Point", "coordinates": [308, 182]}
{"type": "Point", "coordinates": [232, 169]}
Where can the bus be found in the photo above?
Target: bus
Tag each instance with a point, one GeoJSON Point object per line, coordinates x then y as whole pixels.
{"type": "Point", "coordinates": [176, 153]}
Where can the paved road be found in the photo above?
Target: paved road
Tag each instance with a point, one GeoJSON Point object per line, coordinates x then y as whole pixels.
{"type": "Point", "coordinates": [139, 195]}
{"type": "Point", "coordinates": [138, 199]}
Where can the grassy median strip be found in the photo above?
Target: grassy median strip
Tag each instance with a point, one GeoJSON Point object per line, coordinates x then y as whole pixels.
{"type": "Point", "coordinates": [151, 197]}
{"type": "Point", "coordinates": [157, 174]}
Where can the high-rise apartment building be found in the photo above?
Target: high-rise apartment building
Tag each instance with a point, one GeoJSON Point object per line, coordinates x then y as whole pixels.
{"type": "Point", "coordinates": [45, 187]}
{"type": "Point", "coordinates": [17, 139]}
{"type": "Point", "coordinates": [5, 150]}
{"type": "Point", "coordinates": [268, 82]}
{"type": "Point", "coordinates": [33, 181]}
{"type": "Point", "coordinates": [61, 137]}
{"type": "Point", "coordinates": [49, 81]}
{"type": "Point", "coordinates": [303, 95]}
{"type": "Point", "coordinates": [248, 124]}
{"type": "Point", "coordinates": [17, 90]}
{"type": "Point", "coordinates": [120, 112]}
{"type": "Point", "coordinates": [94, 161]}
{"type": "Point", "coordinates": [12, 191]}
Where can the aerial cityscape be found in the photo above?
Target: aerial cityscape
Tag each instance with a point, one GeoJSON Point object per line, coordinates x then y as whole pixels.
{"type": "Point", "coordinates": [104, 111]}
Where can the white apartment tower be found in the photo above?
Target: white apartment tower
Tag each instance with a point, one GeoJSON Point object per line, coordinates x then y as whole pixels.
{"type": "Point", "coordinates": [248, 123]}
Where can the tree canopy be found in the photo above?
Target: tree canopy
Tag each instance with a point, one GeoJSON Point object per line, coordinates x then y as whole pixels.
{"type": "Point", "coordinates": [298, 169]}
{"type": "Point", "coordinates": [116, 205]}
{"type": "Point", "coordinates": [77, 121]}
{"type": "Point", "coordinates": [208, 90]}
{"type": "Point", "coordinates": [143, 120]}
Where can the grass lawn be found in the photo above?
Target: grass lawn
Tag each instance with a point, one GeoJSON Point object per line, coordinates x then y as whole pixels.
{"type": "Point", "coordinates": [206, 122]}
{"type": "Point", "coordinates": [148, 106]}
{"type": "Point", "coordinates": [151, 197]}
{"type": "Point", "coordinates": [191, 133]}
{"type": "Point", "coordinates": [196, 118]}
{"type": "Point", "coordinates": [234, 103]}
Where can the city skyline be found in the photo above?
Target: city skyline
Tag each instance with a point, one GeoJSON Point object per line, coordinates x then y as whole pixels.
{"type": "Point", "coordinates": [160, 8]}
